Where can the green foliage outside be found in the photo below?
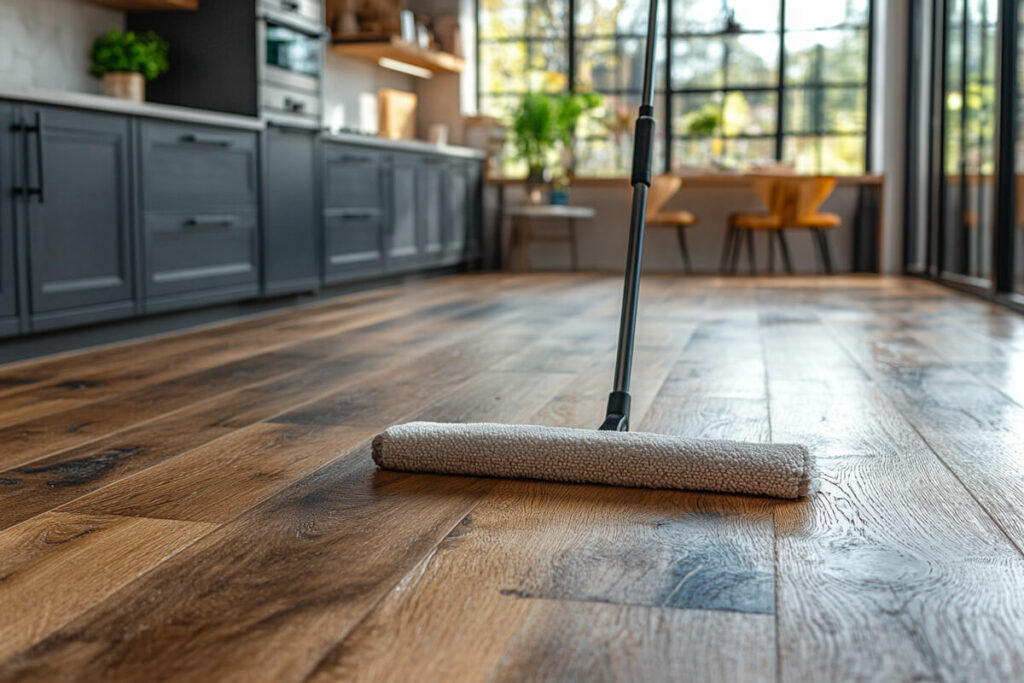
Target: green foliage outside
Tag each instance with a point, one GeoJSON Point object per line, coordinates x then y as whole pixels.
{"type": "Point", "coordinates": [703, 123]}
{"type": "Point", "coordinates": [130, 52]}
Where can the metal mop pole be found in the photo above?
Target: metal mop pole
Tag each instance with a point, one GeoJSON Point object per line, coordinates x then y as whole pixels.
{"type": "Point", "coordinates": [617, 415]}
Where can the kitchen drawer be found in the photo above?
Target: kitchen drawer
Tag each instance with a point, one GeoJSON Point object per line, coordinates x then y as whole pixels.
{"type": "Point", "coordinates": [186, 252]}
{"type": "Point", "coordinates": [352, 177]}
{"type": "Point", "coordinates": [352, 244]}
{"type": "Point", "coordinates": [305, 14]}
{"type": "Point", "coordinates": [197, 168]}
{"type": "Point", "coordinates": [288, 101]}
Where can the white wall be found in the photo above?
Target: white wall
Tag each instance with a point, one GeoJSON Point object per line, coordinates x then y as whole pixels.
{"type": "Point", "coordinates": [350, 91]}
{"type": "Point", "coordinates": [46, 43]}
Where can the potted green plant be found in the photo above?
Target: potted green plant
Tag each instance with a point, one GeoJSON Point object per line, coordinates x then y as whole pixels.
{"type": "Point", "coordinates": [540, 124]}
{"type": "Point", "coordinates": [534, 134]}
{"type": "Point", "coordinates": [125, 60]}
{"type": "Point", "coordinates": [569, 109]}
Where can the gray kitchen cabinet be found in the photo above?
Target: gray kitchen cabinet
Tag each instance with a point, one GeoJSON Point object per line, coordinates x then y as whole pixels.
{"type": "Point", "coordinates": [353, 212]}
{"type": "Point", "coordinates": [291, 221]}
{"type": "Point", "coordinates": [456, 211]}
{"type": "Point", "coordinates": [432, 209]}
{"type": "Point", "coordinates": [402, 222]}
{"type": "Point", "coordinates": [9, 322]}
{"type": "Point", "coordinates": [199, 197]}
{"type": "Point", "coordinates": [74, 196]}
{"type": "Point", "coordinates": [475, 210]}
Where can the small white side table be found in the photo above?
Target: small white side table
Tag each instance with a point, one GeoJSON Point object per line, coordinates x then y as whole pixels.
{"type": "Point", "coordinates": [522, 216]}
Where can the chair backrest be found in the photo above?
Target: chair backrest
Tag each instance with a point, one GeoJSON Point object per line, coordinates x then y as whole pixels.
{"type": "Point", "coordinates": [769, 189]}
{"type": "Point", "coordinates": [663, 187]}
{"type": "Point", "coordinates": [803, 196]}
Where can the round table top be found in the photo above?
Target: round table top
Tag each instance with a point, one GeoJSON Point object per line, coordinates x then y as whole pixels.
{"type": "Point", "coordinates": [550, 211]}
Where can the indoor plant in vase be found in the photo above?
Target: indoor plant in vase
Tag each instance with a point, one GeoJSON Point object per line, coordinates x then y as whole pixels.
{"type": "Point", "coordinates": [541, 123]}
{"type": "Point", "coordinates": [534, 137]}
{"type": "Point", "coordinates": [126, 60]}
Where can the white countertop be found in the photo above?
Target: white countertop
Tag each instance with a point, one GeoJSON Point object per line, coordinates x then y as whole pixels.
{"type": "Point", "coordinates": [118, 106]}
{"type": "Point", "coordinates": [409, 145]}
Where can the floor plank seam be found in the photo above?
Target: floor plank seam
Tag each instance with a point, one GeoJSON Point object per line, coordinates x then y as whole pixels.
{"type": "Point", "coordinates": [960, 481]}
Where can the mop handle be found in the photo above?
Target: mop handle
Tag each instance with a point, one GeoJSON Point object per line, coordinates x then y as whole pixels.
{"type": "Point", "coordinates": [617, 416]}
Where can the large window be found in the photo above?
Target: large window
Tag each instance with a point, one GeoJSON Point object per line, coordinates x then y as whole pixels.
{"type": "Point", "coordinates": [788, 79]}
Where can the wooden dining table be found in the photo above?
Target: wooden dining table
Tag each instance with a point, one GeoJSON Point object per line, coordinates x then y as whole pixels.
{"type": "Point", "coordinates": [868, 228]}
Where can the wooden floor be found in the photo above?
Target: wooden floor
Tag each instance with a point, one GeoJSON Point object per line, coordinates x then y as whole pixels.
{"type": "Point", "coordinates": [203, 506]}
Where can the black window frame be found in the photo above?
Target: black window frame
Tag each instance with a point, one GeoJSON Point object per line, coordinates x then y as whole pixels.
{"type": "Point", "coordinates": [667, 93]}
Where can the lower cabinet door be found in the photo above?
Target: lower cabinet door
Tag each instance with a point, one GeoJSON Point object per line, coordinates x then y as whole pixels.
{"type": "Point", "coordinates": [8, 288]}
{"type": "Point", "coordinates": [456, 210]}
{"type": "Point", "coordinates": [201, 253]}
{"type": "Point", "coordinates": [352, 244]}
{"type": "Point", "coordinates": [292, 221]}
{"type": "Point", "coordinates": [432, 210]}
{"type": "Point", "coordinates": [402, 226]}
{"type": "Point", "coordinates": [78, 217]}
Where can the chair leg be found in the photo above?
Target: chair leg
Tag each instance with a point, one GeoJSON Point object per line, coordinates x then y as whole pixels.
{"type": "Point", "coordinates": [681, 234]}
{"type": "Point", "coordinates": [573, 245]}
{"type": "Point", "coordinates": [771, 254]}
{"type": "Point", "coordinates": [730, 235]}
{"type": "Point", "coordinates": [737, 244]}
{"type": "Point", "coordinates": [817, 252]}
{"type": "Point", "coordinates": [826, 253]}
{"type": "Point", "coordinates": [750, 252]}
{"type": "Point", "coordinates": [784, 248]}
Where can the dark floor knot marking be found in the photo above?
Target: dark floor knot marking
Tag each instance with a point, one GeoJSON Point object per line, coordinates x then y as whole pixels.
{"type": "Point", "coordinates": [74, 428]}
{"type": "Point", "coordinates": [78, 384]}
{"type": "Point", "coordinates": [83, 471]}
{"type": "Point", "coordinates": [516, 592]}
{"type": "Point", "coordinates": [8, 481]}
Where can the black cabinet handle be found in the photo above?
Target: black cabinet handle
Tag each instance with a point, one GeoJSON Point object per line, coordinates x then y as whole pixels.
{"type": "Point", "coordinates": [37, 130]}
{"type": "Point", "coordinates": [211, 221]}
{"type": "Point", "coordinates": [290, 5]}
{"type": "Point", "coordinates": [296, 106]}
{"type": "Point", "coordinates": [359, 214]}
{"type": "Point", "coordinates": [194, 139]}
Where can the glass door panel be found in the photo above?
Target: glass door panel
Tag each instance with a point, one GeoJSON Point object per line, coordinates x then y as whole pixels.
{"type": "Point", "coordinates": [952, 142]}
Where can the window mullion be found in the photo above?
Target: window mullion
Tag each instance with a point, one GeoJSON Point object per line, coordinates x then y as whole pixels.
{"type": "Point", "coordinates": [780, 104]}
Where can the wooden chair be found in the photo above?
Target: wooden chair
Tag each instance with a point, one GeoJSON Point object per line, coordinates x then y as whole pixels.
{"type": "Point", "coordinates": [793, 202]}
{"type": "Point", "coordinates": [663, 188]}
{"type": "Point", "coordinates": [808, 194]}
{"type": "Point", "coordinates": [771, 194]}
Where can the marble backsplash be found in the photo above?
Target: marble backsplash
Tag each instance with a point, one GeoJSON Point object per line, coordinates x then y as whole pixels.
{"type": "Point", "coordinates": [46, 43]}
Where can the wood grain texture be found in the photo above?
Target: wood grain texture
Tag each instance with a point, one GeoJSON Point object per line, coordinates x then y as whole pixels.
{"type": "Point", "coordinates": [56, 565]}
{"type": "Point", "coordinates": [574, 641]}
{"type": "Point", "coordinates": [220, 519]}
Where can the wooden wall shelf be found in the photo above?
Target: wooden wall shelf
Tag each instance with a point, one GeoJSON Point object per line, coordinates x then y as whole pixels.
{"type": "Point", "coordinates": [392, 47]}
{"type": "Point", "coordinates": [147, 5]}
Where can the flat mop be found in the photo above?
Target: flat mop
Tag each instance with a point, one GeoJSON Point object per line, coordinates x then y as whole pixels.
{"type": "Point", "coordinates": [612, 454]}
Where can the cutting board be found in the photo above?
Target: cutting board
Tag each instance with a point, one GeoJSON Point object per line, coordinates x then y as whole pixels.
{"type": "Point", "coordinates": [396, 111]}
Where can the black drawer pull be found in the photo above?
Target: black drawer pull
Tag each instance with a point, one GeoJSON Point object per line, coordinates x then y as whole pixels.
{"type": "Point", "coordinates": [296, 106]}
{"type": "Point", "coordinates": [290, 5]}
{"type": "Point", "coordinates": [194, 139]}
{"type": "Point", "coordinates": [359, 214]}
{"type": "Point", "coordinates": [211, 221]}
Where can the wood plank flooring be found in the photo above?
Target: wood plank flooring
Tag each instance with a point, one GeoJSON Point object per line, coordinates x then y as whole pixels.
{"type": "Point", "coordinates": [202, 506]}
